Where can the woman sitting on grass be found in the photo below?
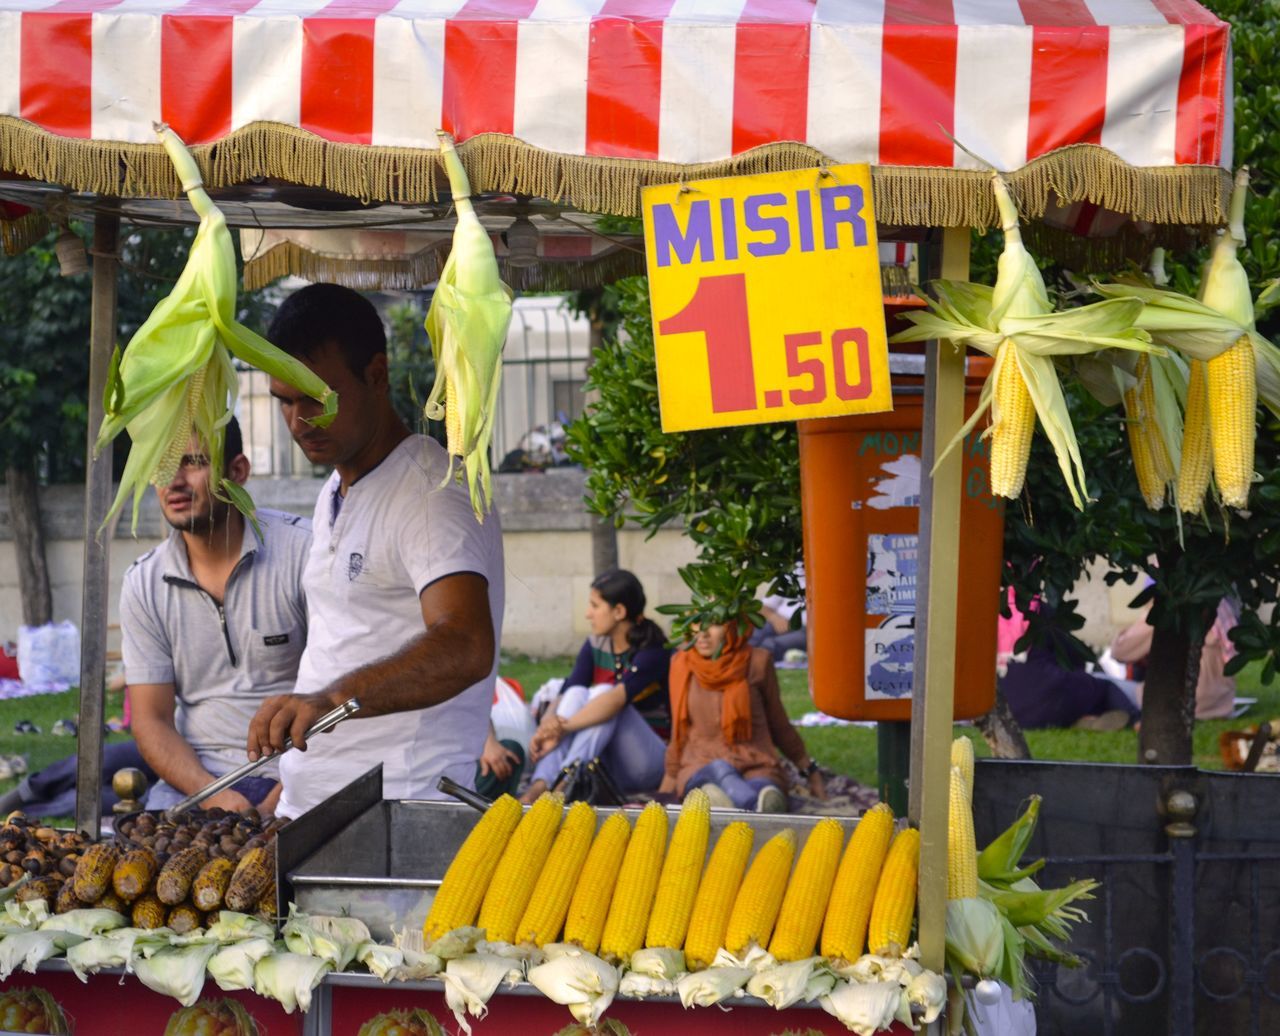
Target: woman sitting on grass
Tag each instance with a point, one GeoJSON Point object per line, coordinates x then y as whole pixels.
{"type": "Point", "coordinates": [614, 703]}
{"type": "Point", "coordinates": [728, 725]}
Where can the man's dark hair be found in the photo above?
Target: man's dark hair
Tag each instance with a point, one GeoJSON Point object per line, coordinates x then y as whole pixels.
{"type": "Point", "coordinates": [232, 443]}
{"type": "Point", "coordinates": [321, 313]}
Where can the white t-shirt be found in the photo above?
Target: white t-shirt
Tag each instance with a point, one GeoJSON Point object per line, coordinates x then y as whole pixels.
{"type": "Point", "coordinates": [372, 554]}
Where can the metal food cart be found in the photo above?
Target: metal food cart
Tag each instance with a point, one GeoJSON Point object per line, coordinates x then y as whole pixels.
{"type": "Point", "coordinates": [1111, 119]}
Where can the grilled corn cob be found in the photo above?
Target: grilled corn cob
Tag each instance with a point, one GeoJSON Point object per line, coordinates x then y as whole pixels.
{"type": "Point", "coordinates": [844, 931]}
{"type": "Point", "coordinates": [522, 861]}
{"type": "Point", "coordinates": [173, 884]}
{"type": "Point", "coordinates": [628, 918]}
{"type": "Point", "coordinates": [210, 885]}
{"type": "Point", "coordinates": [545, 914]}
{"type": "Point", "coordinates": [94, 870]}
{"type": "Point", "coordinates": [589, 907]}
{"type": "Point", "coordinates": [889, 933]}
{"type": "Point", "coordinates": [755, 909]}
{"type": "Point", "coordinates": [808, 892]}
{"type": "Point", "coordinates": [134, 874]}
{"type": "Point", "coordinates": [716, 894]}
{"type": "Point", "coordinates": [252, 876]}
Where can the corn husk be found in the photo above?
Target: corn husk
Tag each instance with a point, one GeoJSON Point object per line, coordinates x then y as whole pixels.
{"type": "Point", "coordinates": [928, 993]}
{"type": "Point", "coordinates": [176, 379]}
{"type": "Point", "coordinates": [471, 981]}
{"type": "Point", "coordinates": [85, 923]}
{"type": "Point", "coordinates": [231, 926]}
{"type": "Point", "coordinates": [176, 971]}
{"type": "Point", "coordinates": [289, 978]}
{"type": "Point", "coordinates": [581, 981]}
{"type": "Point", "coordinates": [865, 1007]}
{"type": "Point", "coordinates": [28, 949]}
{"type": "Point", "coordinates": [793, 982]}
{"type": "Point", "coordinates": [335, 939]}
{"type": "Point", "coordinates": [232, 966]}
{"type": "Point", "coordinates": [467, 323]}
{"type": "Point", "coordinates": [658, 962]}
{"type": "Point", "coordinates": [637, 986]}
{"type": "Point", "coordinates": [711, 985]}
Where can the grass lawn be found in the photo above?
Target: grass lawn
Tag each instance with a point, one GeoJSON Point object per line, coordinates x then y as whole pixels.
{"type": "Point", "coordinates": [849, 750]}
{"type": "Point", "coordinates": [852, 750]}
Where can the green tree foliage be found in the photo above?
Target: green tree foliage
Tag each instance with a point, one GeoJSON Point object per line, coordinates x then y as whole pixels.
{"type": "Point", "coordinates": [44, 336]}
{"type": "Point", "coordinates": [735, 490]}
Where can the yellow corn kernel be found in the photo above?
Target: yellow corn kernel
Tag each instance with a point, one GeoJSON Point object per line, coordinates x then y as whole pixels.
{"type": "Point", "coordinates": [844, 932]}
{"type": "Point", "coordinates": [962, 854]}
{"type": "Point", "coordinates": [589, 906]}
{"type": "Point", "coordinates": [1233, 402]}
{"type": "Point", "coordinates": [755, 908]}
{"type": "Point", "coordinates": [465, 882]}
{"type": "Point", "coordinates": [808, 892]}
{"type": "Point", "coordinates": [716, 894]}
{"type": "Point", "coordinates": [1151, 461]}
{"type": "Point", "coordinates": [1197, 457]}
{"type": "Point", "coordinates": [962, 757]}
{"type": "Point", "coordinates": [544, 915]}
{"type": "Point", "coordinates": [889, 933]}
{"type": "Point", "coordinates": [1013, 419]}
{"type": "Point", "coordinates": [637, 883]}
{"type": "Point", "coordinates": [452, 420]}
{"type": "Point", "coordinates": [518, 870]}
{"type": "Point", "coordinates": [678, 883]}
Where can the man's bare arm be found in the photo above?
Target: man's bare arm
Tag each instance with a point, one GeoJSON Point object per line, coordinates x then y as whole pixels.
{"type": "Point", "coordinates": [454, 651]}
{"type": "Point", "coordinates": [165, 750]}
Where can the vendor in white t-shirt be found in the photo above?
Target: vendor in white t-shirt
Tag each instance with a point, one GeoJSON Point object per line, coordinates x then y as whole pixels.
{"type": "Point", "coordinates": [404, 587]}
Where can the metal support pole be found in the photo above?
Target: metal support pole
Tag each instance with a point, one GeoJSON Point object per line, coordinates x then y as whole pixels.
{"type": "Point", "coordinates": [97, 498]}
{"type": "Point", "coordinates": [933, 694]}
{"type": "Point", "coordinates": [1180, 810]}
{"type": "Point", "coordinates": [893, 761]}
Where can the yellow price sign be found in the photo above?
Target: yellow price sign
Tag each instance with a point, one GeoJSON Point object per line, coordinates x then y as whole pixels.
{"type": "Point", "coordinates": [766, 298]}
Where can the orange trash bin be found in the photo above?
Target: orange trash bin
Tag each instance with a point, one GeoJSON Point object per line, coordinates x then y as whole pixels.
{"type": "Point", "coordinates": [860, 493]}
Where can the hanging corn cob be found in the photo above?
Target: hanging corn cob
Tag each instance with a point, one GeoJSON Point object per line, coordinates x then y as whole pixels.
{"type": "Point", "coordinates": [1015, 322]}
{"type": "Point", "coordinates": [1151, 435]}
{"type": "Point", "coordinates": [175, 379]}
{"type": "Point", "coordinates": [1239, 365]}
{"type": "Point", "coordinates": [467, 323]}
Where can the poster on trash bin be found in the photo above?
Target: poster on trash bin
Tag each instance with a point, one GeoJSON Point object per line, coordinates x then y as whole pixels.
{"type": "Point", "coordinates": [891, 605]}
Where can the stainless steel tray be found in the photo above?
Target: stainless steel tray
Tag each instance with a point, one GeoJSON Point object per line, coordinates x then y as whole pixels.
{"type": "Point", "coordinates": [382, 860]}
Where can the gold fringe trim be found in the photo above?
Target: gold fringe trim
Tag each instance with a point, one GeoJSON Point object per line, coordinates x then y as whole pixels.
{"type": "Point", "coordinates": [904, 195]}
{"type": "Point", "coordinates": [17, 235]}
{"type": "Point", "coordinates": [413, 272]}
{"type": "Point", "coordinates": [1098, 254]}
{"type": "Point", "coordinates": [410, 273]}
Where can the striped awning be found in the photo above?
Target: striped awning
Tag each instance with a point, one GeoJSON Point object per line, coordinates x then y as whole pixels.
{"type": "Point", "coordinates": [1122, 103]}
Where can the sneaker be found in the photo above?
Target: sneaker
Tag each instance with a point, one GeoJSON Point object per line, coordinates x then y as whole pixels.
{"type": "Point", "coordinates": [5, 771]}
{"type": "Point", "coordinates": [771, 800]}
{"type": "Point", "coordinates": [718, 797]}
{"type": "Point", "coordinates": [1112, 719]}
{"type": "Point", "coordinates": [25, 726]}
{"type": "Point", "coordinates": [17, 764]}
{"type": "Point", "coordinates": [65, 728]}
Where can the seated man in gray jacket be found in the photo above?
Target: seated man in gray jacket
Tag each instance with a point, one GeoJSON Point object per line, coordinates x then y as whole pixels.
{"type": "Point", "coordinates": [212, 622]}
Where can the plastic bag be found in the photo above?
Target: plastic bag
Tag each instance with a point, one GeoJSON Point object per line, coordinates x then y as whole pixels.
{"type": "Point", "coordinates": [512, 720]}
{"type": "Point", "coordinates": [49, 656]}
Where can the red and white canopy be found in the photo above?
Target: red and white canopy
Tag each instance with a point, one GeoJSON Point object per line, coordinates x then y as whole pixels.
{"type": "Point", "coordinates": [576, 90]}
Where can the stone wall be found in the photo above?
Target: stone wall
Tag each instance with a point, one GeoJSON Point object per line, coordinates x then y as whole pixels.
{"type": "Point", "coordinates": [546, 535]}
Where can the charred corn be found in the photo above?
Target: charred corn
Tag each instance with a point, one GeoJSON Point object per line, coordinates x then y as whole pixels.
{"type": "Point", "coordinates": [134, 874]}
{"type": "Point", "coordinates": [173, 884]}
{"type": "Point", "coordinates": [148, 912]}
{"type": "Point", "coordinates": [210, 886]}
{"type": "Point", "coordinates": [252, 876]}
{"type": "Point", "coordinates": [94, 870]}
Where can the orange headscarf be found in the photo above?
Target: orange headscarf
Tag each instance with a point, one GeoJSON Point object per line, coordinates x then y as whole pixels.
{"type": "Point", "coordinates": [726, 674]}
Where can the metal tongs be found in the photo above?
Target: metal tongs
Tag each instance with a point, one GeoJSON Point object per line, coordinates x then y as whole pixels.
{"type": "Point", "coordinates": [325, 722]}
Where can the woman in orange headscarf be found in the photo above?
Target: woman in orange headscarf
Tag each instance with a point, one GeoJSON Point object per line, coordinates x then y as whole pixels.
{"type": "Point", "coordinates": [728, 725]}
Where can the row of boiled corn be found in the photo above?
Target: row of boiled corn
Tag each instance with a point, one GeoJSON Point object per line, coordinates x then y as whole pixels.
{"type": "Point", "coordinates": [550, 876]}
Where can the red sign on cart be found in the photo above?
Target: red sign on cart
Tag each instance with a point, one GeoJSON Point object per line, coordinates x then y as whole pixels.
{"type": "Point", "coordinates": [766, 298]}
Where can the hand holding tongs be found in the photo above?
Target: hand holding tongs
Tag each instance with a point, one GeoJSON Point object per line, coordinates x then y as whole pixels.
{"type": "Point", "coordinates": [328, 720]}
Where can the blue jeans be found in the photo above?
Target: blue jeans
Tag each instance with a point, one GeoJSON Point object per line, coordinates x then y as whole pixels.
{"type": "Point", "coordinates": [632, 753]}
{"type": "Point", "coordinates": [255, 789]}
{"type": "Point", "coordinates": [743, 790]}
